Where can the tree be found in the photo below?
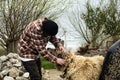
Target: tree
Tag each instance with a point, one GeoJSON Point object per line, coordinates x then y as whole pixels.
{"type": "Point", "coordinates": [89, 24]}
{"type": "Point", "coordinates": [112, 20]}
{"type": "Point", "coordinates": [98, 23]}
{"type": "Point", "coordinates": [16, 14]}
{"type": "Point", "coordinates": [94, 20]}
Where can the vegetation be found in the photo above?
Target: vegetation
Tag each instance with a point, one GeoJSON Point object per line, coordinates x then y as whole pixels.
{"type": "Point", "coordinates": [47, 65]}
{"type": "Point", "coordinates": [16, 14]}
{"type": "Point", "coordinates": [96, 24]}
{"type": "Point", "coordinates": [99, 23]}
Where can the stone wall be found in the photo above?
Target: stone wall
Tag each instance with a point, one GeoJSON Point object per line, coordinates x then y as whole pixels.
{"type": "Point", "coordinates": [11, 68]}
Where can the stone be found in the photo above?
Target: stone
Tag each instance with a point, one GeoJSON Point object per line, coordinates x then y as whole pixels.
{"type": "Point", "coordinates": [3, 58]}
{"type": "Point", "coordinates": [9, 64]}
{"type": "Point", "coordinates": [26, 75]}
{"type": "Point", "coordinates": [14, 72]}
{"type": "Point", "coordinates": [18, 64]}
{"type": "Point", "coordinates": [8, 78]}
{"type": "Point", "coordinates": [13, 61]}
{"type": "Point", "coordinates": [10, 55]}
{"type": "Point", "coordinates": [21, 78]}
{"type": "Point", "coordinates": [4, 72]}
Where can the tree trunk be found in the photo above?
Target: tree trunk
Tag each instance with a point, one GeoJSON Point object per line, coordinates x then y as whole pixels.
{"type": "Point", "coordinates": [12, 47]}
{"type": "Point", "coordinates": [93, 43]}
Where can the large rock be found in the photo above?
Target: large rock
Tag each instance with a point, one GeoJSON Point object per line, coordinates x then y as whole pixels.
{"type": "Point", "coordinates": [14, 72]}
{"type": "Point", "coordinates": [3, 58]}
{"type": "Point", "coordinates": [111, 65]}
{"type": "Point", "coordinates": [8, 78]}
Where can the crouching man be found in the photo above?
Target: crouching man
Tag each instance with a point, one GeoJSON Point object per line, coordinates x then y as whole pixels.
{"type": "Point", "coordinates": [32, 43]}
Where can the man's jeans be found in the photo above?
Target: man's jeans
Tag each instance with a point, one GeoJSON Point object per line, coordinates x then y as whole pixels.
{"type": "Point", "coordinates": [34, 68]}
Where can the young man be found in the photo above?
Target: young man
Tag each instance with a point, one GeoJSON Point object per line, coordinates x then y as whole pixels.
{"type": "Point", "coordinates": [32, 43]}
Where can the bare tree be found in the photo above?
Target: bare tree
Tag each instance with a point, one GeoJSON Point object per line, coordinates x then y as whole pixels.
{"type": "Point", "coordinates": [16, 14]}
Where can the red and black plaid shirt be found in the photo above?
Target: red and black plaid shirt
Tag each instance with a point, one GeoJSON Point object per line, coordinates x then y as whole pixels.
{"type": "Point", "coordinates": [32, 42]}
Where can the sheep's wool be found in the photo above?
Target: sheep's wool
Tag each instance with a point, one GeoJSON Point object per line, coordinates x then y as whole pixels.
{"type": "Point", "coordinates": [83, 68]}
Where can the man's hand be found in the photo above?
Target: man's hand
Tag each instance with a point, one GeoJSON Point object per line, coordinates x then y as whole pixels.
{"type": "Point", "coordinates": [60, 61]}
{"type": "Point", "coordinates": [62, 49]}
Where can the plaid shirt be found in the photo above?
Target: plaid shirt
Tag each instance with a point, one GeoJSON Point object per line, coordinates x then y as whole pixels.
{"type": "Point", "coordinates": [32, 42]}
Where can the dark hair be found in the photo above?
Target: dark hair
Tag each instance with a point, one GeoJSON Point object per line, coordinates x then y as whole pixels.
{"type": "Point", "coordinates": [49, 27]}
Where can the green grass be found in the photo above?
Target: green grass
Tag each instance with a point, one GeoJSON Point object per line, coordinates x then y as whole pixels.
{"type": "Point", "coordinates": [47, 64]}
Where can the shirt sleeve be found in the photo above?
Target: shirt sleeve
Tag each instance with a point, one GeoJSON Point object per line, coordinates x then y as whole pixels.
{"type": "Point", "coordinates": [46, 54]}
{"type": "Point", "coordinates": [56, 42]}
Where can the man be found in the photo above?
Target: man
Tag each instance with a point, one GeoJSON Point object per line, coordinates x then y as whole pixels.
{"type": "Point", "coordinates": [32, 43]}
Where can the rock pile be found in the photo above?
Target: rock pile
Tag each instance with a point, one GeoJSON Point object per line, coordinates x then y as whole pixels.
{"type": "Point", "coordinates": [11, 69]}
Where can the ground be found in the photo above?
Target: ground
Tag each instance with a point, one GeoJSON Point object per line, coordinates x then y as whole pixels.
{"type": "Point", "coordinates": [52, 74]}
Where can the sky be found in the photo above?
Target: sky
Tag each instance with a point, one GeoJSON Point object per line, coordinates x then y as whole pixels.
{"type": "Point", "coordinates": [66, 32]}
{"type": "Point", "coordinates": [72, 41]}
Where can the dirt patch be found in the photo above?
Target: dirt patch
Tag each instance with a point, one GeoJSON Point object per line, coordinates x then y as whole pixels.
{"type": "Point", "coordinates": [52, 74]}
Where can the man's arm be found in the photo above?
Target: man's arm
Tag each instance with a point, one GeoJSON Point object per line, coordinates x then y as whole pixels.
{"type": "Point", "coordinates": [47, 55]}
{"type": "Point", "coordinates": [57, 43]}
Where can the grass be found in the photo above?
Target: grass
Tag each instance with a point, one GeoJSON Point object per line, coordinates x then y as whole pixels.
{"type": "Point", "coordinates": [47, 65]}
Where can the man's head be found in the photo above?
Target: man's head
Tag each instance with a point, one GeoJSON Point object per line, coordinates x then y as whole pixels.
{"type": "Point", "coordinates": [49, 28]}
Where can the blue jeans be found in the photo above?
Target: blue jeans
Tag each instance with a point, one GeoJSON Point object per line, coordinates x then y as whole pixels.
{"type": "Point", "coordinates": [34, 69]}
